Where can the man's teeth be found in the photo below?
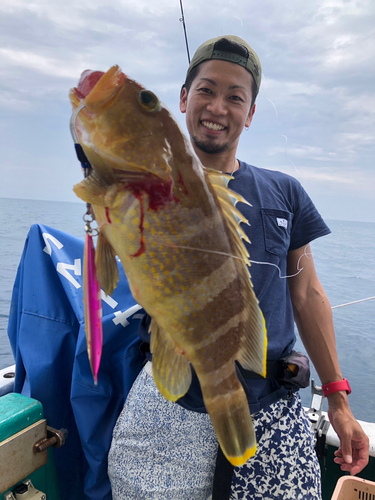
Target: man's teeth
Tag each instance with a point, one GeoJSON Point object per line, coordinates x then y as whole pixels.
{"type": "Point", "coordinates": [213, 126]}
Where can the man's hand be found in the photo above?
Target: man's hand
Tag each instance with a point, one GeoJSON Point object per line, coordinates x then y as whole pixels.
{"type": "Point", "coordinates": [353, 454]}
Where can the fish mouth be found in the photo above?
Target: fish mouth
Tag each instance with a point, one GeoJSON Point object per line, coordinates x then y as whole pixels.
{"type": "Point", "coordinates": [213, 126]}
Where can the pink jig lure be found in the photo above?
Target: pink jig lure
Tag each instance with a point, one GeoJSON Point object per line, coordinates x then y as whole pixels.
{"type": "Point", "coordinates": [93, 308]}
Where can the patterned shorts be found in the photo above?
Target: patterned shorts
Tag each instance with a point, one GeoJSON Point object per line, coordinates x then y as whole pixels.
{"type": "Point", "coordinates": [160, 451]}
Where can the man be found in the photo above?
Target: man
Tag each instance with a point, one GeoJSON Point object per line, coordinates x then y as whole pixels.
{"type": "Point", "coordinates": [178, 441]}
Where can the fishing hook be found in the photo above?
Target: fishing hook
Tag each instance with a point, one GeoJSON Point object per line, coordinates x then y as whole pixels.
{"type": "Point", "coordinates": [73, 118]}
{"type": "Point", "coordinates": [82, 158]}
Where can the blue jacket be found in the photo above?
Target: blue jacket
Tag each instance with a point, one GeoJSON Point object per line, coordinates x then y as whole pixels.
{"type": "Point", "coordinates": [47, 334]}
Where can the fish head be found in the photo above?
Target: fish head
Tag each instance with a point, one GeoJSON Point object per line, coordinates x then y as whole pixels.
{"type": "Point", "coordinates": [123, 125]}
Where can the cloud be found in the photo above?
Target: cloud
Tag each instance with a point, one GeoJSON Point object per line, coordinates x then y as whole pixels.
{"type": "Point", "coordinates": [308, 152]}
{"type": "Point", "coordinates": [327, 176]}
{"type": "Point", "coordinates": [45, 65]}
{"type": "Point", "coordinates": [317, 90]}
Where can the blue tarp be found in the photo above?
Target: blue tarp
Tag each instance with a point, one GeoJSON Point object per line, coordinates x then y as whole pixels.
{"type": "Point", "coordinates": [47, 334]}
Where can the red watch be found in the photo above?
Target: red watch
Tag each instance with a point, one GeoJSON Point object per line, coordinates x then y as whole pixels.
{"type": "Point", "coordinates": [341, 385]}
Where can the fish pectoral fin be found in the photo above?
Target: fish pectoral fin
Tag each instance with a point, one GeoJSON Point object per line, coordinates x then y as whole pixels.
{"type": "Point", "coordinates": [91, 190]}
{"type": "Point", "coordinates": [106, 265]}
{"type": "Point", "coordinates": [171, 370]}
{"type": "Point", "coordinates": [230, 416]}
{"type": "Point", "coordinates": [253, 352]}
{"type": "Point", "coordinates": [102, 173]}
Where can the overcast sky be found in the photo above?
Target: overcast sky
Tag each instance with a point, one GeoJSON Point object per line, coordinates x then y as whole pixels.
{"type": "Point", "coordinates": [315, 111]}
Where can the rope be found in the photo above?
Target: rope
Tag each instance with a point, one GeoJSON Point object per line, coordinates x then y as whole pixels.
{"type": "Point", "coordinates": [354, 302]}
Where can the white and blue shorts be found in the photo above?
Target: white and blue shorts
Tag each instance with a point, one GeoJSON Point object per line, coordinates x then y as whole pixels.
{"type": "Point", "coordinates": [161, 451]}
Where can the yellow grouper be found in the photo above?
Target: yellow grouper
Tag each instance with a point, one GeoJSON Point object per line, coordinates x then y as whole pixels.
{"type": "Point", "coordinates": [175, 228]}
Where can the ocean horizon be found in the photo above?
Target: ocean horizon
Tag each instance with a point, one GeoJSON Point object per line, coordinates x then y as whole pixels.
{"type": "Point", "coordinates": [345, 262]}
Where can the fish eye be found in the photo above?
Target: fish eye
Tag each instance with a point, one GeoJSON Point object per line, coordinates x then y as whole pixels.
{"type": "Point", "coordinates": [149, 101]}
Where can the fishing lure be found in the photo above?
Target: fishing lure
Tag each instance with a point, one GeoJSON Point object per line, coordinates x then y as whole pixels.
{"type": "Point", "coordinates": [92, 304]}
{"type": "Point", "coordinates": [91, 286]}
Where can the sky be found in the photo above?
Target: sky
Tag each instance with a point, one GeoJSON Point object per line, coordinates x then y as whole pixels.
{"type": "Point", "coordinates": [315, 110]}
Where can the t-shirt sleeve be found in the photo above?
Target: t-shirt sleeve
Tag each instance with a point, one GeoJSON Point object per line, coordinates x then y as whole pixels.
{"type": "Point", "coordinates": [308, 224]}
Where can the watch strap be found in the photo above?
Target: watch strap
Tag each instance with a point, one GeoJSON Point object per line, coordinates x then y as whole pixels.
{"type": "Point", "coordinates": [340, 385]}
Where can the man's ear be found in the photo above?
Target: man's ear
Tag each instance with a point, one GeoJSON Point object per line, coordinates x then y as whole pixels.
{"type": "Point", "coordinates": [250, 116]}
{"type": "Point", "coordinates": [183, 100]}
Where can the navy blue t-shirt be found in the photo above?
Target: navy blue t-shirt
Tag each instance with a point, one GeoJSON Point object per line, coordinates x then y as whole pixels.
{"type": "Point", "coordinates": [282, 218]}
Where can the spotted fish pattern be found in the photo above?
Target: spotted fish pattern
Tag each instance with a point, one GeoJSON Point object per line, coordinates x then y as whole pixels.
{"type": "Point", "coordinates": [176, 229]}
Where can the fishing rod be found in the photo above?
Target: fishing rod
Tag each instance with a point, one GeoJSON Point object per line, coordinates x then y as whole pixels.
{"type": "Point", "coordinates": [353, 302]}
{"type": "Point", "coordinates": [182, 20]}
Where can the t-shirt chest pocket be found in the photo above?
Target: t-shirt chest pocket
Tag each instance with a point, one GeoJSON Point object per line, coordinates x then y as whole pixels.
{"type": "Point", "coordinates": [277, 226]}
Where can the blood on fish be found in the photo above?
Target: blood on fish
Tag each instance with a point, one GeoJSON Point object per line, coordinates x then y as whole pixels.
{"type": "Point", "coordinates": [181, 181]}
{"type": "Point", "coordinates": [159, 194]}
{"type": "Point", "coordinates": [142, 247]}
{"type": "Point", "coordinates": [107, 215]}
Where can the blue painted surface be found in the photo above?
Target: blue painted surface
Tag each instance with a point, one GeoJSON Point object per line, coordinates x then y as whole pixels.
{"type": "Point", "coordinates": [47, 334]}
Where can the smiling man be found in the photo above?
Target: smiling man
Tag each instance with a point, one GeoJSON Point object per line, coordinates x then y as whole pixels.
{"type": "Point", "coordinates": [163, 450]}
{"type": "Point", "coordinates": [219, 109]}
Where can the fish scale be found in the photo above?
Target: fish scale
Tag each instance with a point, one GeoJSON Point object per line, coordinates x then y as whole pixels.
{"type": "Point", "coordinates": [174, 227]}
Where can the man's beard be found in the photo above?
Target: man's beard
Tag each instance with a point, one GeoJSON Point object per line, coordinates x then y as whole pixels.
{"type": "Point", "coordinates": [210, 147]}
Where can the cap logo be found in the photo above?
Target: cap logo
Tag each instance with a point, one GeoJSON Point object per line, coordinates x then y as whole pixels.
{"type": "Point", "coordinates": [230, 56]}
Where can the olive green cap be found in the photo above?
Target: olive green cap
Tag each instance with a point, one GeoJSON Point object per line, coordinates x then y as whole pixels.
{"type": "Point", "coordinates": [208, 50]}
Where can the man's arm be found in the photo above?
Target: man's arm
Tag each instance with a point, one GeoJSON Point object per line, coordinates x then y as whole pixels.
{"type": "Point", "coordinates": [313, 316]}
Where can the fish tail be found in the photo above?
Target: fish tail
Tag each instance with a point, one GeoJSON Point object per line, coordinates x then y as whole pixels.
{"type": "Point", "coordinates": [230, 416]}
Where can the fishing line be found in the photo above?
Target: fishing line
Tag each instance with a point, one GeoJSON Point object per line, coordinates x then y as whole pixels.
{"type": "Point", "coordinates": [205, 251]}
{"type": "Point", "coordinates": [282, 135]}
{"type": "Point", "coordinates": [273, 104]}
{"type": "Point", "coordinates": [240, 20]}
{"type": "Point", "coordinates": [277, 267]}
{"type": "Point", "coordinates": [182, 20]}
{"type": "Point", "coordinates": [305, 254]}
{"type": "Point", "coordinates": [286, 154]}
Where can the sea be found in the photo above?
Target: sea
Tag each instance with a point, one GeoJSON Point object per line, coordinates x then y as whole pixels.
{"type": "Point", "coordinates": [345, 262]}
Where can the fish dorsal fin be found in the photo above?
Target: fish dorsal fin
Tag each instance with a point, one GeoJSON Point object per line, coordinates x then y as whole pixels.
{"type": "Point", "coordinates": [171, 370]}
{"type": "Point", "coordinates": [106, 90]}
{"type": "Point", "coordinates": [253, 352]}
{"type": "Point", "coordinates": [220, 181]}
{"type": "Point", "coordinates": [106, 265]}
{"type": "Point", "coordinates": [228, 199]}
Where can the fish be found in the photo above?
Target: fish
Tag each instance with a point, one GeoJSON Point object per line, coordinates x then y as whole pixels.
{"type": "Point", "coordinates": [175, 228]}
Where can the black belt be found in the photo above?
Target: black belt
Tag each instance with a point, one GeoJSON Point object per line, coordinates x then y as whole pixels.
{"type": "Point", "coordinates": [274, 371]}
